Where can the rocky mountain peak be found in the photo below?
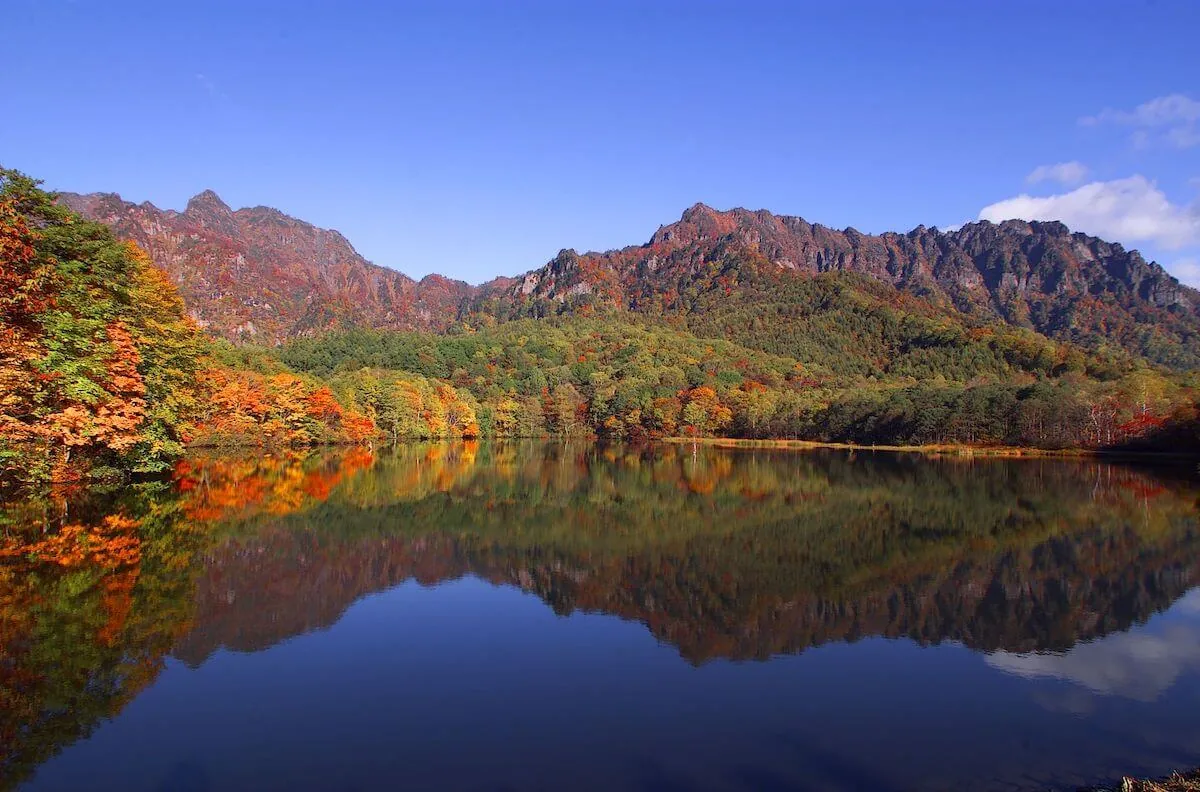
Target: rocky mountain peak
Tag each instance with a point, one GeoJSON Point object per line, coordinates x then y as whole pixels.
{"type": "Point", "coordinates": [259, 268]}
{"type": "Point", "coordinates": [263, 274]}
{"type": "Point", "coordinates": [208, 201]}
{"type": "Point", "coordinates": [698, 212]}
{"type": "Point", "coordinates": [1038, 275]}
{"type": "Point", "coordinates": [208, 210]}
{"type": "Point", "coordinates": [698, 222]}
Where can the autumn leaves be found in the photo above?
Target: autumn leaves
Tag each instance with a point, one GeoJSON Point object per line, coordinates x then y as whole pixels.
{"type": "Point", "coordinates": [97, 358]}
{"type": "Point", "coordinates": [103, 373]}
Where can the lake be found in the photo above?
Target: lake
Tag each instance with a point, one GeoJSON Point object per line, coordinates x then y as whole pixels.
{"type": "Point", "coordinates": [571, 616]}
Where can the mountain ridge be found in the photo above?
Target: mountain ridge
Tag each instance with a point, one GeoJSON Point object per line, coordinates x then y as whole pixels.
{"type": "Point", "coordinates": [260, 274]}
{"type": "Point", "coordinates": [1037, 275]}
{"type": "Point", "coordinates": [257, 273]}
{"type": "Point", "coordinates": [701, 223]}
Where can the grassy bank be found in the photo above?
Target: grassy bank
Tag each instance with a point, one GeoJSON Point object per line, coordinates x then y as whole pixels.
{"type": "Point", "coordinates": [949, 449]}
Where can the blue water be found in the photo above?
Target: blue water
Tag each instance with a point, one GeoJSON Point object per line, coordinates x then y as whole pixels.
{"type": "Point", "coordinates": [471, 686]}
{"type": "Point", "coordinates": [473, 681]}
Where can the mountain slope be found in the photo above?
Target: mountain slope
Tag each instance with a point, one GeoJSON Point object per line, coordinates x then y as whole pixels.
{"type": "Point", "coordinates": [262, 275]}
{"type": "Point", "coordinates": [1038, 276]}
{"type": "Point", "coordinates": [774, 282]}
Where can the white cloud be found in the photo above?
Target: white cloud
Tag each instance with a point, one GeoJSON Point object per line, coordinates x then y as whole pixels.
{"type": "Point", "coordinates": [1062, 172]}
{"type": "Point", "coordinates": [1176, 117]}
{"type": "Point", "coordinates": [1127, 210]}
{"type": "Point", "coordinates": [1184, 136]}
{"type": "Point", "coordinates": [1131, 665]}
{"type": "Point", "coordinates": [1157, 112]}
{"type": "Point", "coordinates": [1187, 270]}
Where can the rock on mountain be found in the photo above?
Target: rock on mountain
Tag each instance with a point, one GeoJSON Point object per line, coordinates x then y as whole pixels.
{"type": "Point", "coordinates": [262, 275]}
{"type": "Point", "coordinates": [1041, 276]}
{"type": "Point", "coordinates": [258, 274]}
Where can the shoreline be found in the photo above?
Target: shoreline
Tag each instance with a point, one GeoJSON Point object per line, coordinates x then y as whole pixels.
{"type": "Point", "coordinates": [938, 450]}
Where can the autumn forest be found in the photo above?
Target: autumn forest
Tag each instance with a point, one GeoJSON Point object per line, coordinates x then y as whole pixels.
{"type": "Point", "coordinates": [599, 396]}
{"type": "Point", "coordinates": [105, 375]}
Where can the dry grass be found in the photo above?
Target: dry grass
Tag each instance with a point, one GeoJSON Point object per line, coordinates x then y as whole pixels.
{"type": "Point", "coordinates": [944, 450]}
{"type": "Point", "coordinates": [930, 450]}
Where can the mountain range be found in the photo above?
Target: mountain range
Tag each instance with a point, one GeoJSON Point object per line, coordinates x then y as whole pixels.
{"type": "Point", "coordinates": [258, 274]}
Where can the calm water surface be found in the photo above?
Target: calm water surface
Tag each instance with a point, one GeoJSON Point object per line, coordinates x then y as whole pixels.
{"type": "Point", "coordinates": [535, 616]}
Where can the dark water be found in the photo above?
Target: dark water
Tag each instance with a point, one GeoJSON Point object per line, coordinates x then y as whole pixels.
{"type": "Point", "coordinates": [573, 617]}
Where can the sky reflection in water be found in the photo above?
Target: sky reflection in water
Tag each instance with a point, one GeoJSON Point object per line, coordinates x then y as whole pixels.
{"type": "Point", "coordinates": [542, 617]}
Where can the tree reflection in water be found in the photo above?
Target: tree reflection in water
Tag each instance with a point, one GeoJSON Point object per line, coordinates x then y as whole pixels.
{"type": "Point", "coordinates": [720, 553]}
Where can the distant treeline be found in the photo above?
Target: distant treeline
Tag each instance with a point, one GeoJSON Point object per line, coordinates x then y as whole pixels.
{"type": "Point", "coordinates": [630, 381]}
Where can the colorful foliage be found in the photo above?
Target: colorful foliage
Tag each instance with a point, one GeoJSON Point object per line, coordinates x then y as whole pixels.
{"type": "Point", "coordinates": [282, 409]}
{"type": "Point", "coordinates": [97, 358]}
{"type": "Point", "coordinates": [603, 377]}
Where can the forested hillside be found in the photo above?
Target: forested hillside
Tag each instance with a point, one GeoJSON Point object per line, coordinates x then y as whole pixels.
{"type": "Point", "coordinates": [258, 275]}
{"type": "Point", "coordinates": [625, 380]}
{"type": "Point", "coordinates": [97, 360]}
{"type": "Point", "coordinates": [704, 332]}
{"type": "Point", "coordinates": [101, 371]}
{"type": "Point", "coordinates": [1036, 276]}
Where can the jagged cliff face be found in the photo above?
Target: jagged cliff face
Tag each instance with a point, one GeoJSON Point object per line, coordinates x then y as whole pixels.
{"type": "Point", "coordinates": [259, 274]}
{"type": "Point", "coordinates": [1036, 275]}
{"type": "Point", "coordinates": [262, 275]}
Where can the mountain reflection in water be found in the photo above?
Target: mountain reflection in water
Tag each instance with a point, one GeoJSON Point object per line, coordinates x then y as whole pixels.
{"type": "Point", "coordinates": [720, 554]}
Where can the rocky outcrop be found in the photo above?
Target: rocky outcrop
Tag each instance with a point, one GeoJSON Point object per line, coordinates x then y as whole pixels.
{"type": "Point", "coordinates": [1036, 275]}
{"type": "Point", "coordinates": [259, 274]}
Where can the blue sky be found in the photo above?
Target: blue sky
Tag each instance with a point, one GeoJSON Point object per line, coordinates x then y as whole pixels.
{"type": "Point", "coordinates": [478, 138]}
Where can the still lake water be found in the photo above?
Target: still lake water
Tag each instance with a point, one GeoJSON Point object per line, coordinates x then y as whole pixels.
{"type": "Point", "coordinates": [549, 616]}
